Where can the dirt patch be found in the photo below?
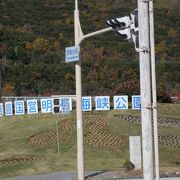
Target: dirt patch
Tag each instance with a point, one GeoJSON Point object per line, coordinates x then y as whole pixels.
{"type": "Point", "coordinates": [18, 159]}
{"type": "Point", "coordinates": [98, 136]}
{"type": "Point", "coordinates": [169, 139]}
{"type": "Point", "coordinates": [165, 139]}
{"type": "Point", "coordinates": [50, 137]}
{"type": "Point", "coordinates": [165, 122]}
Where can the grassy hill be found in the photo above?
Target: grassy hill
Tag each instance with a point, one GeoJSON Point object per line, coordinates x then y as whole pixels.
{"type": "Point", "coordinates": [29, 143]}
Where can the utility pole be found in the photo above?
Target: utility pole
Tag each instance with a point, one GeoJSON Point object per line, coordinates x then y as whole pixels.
{"type": "Point", "coordinates": [145, 81]}
{"type": "Point", "coordinates": [154, 94]}
{"type": "Point", "coordinates": [142, 21]}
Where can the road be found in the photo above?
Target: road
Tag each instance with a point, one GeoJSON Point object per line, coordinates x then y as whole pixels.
{"type": "Point", "coordinates": [99, 175]}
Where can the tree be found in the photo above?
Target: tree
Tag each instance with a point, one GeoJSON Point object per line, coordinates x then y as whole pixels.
{"type": "Point", "coordinates": [8, 90]}
{"type": "Point", "coordinates": [29, 46]}
{"type": "Point", "coordinates": [126, 88]}
{"type": "Point", "coordinates": [10, 54]}
{"type": "Point", "coordinates": [161, 50]}
{"type": "Point", "coordinates": [2, 50]}
{"type": "Point", "coordinates": [68, 77]}
{"type": "Point", "coordinates": [131, 74]}
{"type": "Point", "coordinates": [172, 33]}
{"type": "Point", "coordinates": [41, 45]}
{"type": "Point", "coordinates": [21, 54]}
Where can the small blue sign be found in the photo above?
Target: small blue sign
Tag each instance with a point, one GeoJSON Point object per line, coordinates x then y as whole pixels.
{"type": "Point", "coordinates": [120, 102]}
{"type": "Point", "coordinates": [19, 107]}
{"type": "Point", "coordinates": [1, 110]}
{"type": "Point", "coordinates": [86, 103]}
{"type": "Point", "coordinates": [136, 102]}
{"type": "Point", "coordinates": [72, 54]}
{"type": "Point", "coordinates": [46, 105]}
{"type": "Point", "coordinates": [102, 103]}
{"type": "Point", "coordinates": [8, 108]}
{"type": "Point", "coordinates": [32, 106]}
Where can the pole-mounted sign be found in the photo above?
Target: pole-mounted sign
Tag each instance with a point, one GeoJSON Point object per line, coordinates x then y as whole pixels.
{"type": "Point", "coordinates": [72, 54]}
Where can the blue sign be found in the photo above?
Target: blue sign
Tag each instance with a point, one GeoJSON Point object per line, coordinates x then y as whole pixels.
{"type": "Point", "coordinates": [8, 108]}
{"type": "Point", "coordinates": [1, 110]}
{"type": "Point", "coordinates": [102, 103]}
{"type": "Point", "coordinates": [32, 106]}
{"type": "Point", "coordinates": [120, 102]}
{"type": "Point", "coordinates": [19, 107]}
{"type": "Point", "coordinates": [86, 103]}
{"type": "Point", "coordinates": [72, 54]}
{"type": "Point", "coordinates": [65, 105]}
{"type": "Point", "coordinates": [136, 102]}
{"type": "Point", "coordinates": [46, 105]}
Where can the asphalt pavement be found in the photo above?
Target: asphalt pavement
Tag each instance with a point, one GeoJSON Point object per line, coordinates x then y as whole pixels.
{"type": "Point", "coordinates": [98, 175]}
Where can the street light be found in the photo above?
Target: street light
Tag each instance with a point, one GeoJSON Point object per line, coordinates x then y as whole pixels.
{"type": "Point", "coordinates": [79, 37]}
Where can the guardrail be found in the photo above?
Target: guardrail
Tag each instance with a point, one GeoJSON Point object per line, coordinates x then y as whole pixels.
{"type": "Point", "coordinates": [25, 98]}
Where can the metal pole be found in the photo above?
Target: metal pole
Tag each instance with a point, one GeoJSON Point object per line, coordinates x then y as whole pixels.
{"type": "Point", "coordinates": [145, 81]}
{"type": "Point", "coordinates": [1, 60]}
{"type": "Point", "coordinates": [80, 151]}
{"type": "Point", "coordinates": [95, 33]}
{"type": "Point", "coordinates": [76, 4]}
{"type": "Point", "coordinates": [0, 81]}
{"type": "Point", "coordinates": [57, 133]}
{"type": "Point", "coordinates": [154, 95]}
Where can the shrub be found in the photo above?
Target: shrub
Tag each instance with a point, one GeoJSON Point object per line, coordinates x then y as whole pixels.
{"type": "Point", "coordinates": [128, 165]}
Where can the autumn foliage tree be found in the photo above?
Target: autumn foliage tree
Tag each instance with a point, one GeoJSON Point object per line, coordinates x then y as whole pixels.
{"type": "Point", "coordinates": [126, 88]}
{"type": "Point", "coordinates": [8, 90]}
{"type": "Point", "coordinates": [42, 45]}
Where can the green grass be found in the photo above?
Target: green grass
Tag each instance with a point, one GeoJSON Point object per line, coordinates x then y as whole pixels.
{"type": "Point", "coordinates": [15, 131]}
{"type": "Point", "coordinates": [169, 110]}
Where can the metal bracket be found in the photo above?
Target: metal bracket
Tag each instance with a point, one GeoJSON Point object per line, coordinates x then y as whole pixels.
{"type": "Point", "coordinates": [144, 49]}
{"type": "Point", "coordinates": [151, 107]}
{"type": "Point", "coordinates": [154, 107]}
{"type": "Point", "coordinates": [146, 1]}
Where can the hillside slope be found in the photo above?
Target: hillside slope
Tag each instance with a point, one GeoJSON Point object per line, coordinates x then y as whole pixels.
{"type": "Point", "coordinates": [34, 34]}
